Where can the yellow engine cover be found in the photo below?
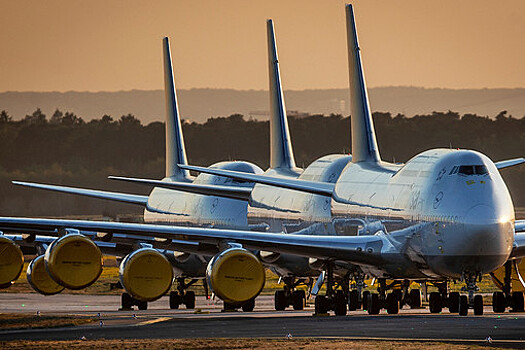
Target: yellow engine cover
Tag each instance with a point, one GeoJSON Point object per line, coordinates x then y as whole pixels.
{"type": "Point", "coordinates": [40, 280]}
{"type": "Point", "coordinates": [516, 285]}
{"type": "Point", "coordinates": [235, 275]}
{"type": "Point", "coordinates": [74, 261]}
{"type": "Point", "coordinates": [146, 274]}
{"type": "Point", "coordinates": [11, 262]}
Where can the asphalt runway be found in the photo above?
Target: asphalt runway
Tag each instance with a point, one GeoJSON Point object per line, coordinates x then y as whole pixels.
{"type": "Point", "coordinates": [207, 321]}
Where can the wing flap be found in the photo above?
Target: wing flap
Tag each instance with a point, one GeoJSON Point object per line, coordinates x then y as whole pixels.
{"type": "Point", "coordinates": [114, 196]}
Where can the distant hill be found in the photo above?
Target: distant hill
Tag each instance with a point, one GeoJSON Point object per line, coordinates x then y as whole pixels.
{"type": "Point", "coordinates": [200, 104]}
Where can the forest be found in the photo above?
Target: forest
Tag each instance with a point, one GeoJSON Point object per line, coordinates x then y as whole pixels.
{"type": "Point", "coordinates": [65, 149]}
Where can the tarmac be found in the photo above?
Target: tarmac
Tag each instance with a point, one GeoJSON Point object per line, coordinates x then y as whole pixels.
{"type": "Point", "coordinates": [207, 321]}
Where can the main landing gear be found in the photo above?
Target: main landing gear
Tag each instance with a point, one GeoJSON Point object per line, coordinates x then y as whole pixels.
{"type": "Point", "coordinates": [183, 297]}
{"type": "Point", "coordinates": [127, 303]}
{"type": "Point", "coordinates": [334, 300]}
{"type": "Point", "coordinates": [456, 302]}
{"type": "Point", "coordinates": [393, 301]}
{"type": "Point", "coordinates": [501, 300]}
{"type": "Point", "coordinates": [289, 295]}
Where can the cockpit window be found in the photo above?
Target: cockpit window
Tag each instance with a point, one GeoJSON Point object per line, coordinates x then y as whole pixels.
{"type": "Point", "coordinates": [472, 170]}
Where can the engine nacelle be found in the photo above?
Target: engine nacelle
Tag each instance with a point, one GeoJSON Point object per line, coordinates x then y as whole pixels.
{"type": "Point", "coordinates": [235, 275]}
{"type": "Point", "coordinates": [146, 274]}
{"type": "Point", "coordinates": [11, 262]}
{"type": "Point", "coordinates": [40, 280]}
{"type": "Point", "coordinates": [74, 261]}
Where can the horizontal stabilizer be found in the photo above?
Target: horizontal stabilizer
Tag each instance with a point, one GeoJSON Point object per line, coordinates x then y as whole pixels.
{"type": "Point", "coordinates": [508, 163]}
{"type": "Point", "coordinates": [114, 196]}
{"type": "Point", "coordinates": [241, 193]}
{"type": "Point", "coordinates": [315, 187]}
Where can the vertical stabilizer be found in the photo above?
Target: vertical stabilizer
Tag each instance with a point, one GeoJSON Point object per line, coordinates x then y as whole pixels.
{"type": "Point", "coordinates": [175, 152]}
{"type": "Point", "coordinates": [364, 144]}
{"type": "Point", "coordinates": [281, 153]}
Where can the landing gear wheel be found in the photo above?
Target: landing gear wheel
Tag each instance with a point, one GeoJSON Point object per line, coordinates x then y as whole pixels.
{"type": "Point", "coordinates": [353, 300]}
{"type": "Point", "coordinates": [435, 303]}
{"type": "Point", "coordinates": [175, 300]}
{"type": "Point", "coordinates": [340, 303]}
{"type": "Point", "coordinates": [463, 305]}
{"type": "Point", "coordinates": [249, 305]}
{"type": "Point", "coordinates": [365, 300]}
{"type": "Point", "coordinates": [374, 304]}
{"type": "Point", "coordinates": [478, 305]}
{"type": "Point", "coordinates": [498, 302]}
{"type": "Point", "coordinates": [415, 299]}
{"type": "Point", "coordinates": [189, 300]}
{"type": "Point", "coordinates": [227, 307]}
{"type": "Point", "coordinates": [126, 301]}
{"type": "Point", "coordinates": [298, 299]}
{"type": "Point", "coordinates": [280, 300]}
{"type": "Point", "coordinates": [321, 305]}
{"type": "Point", "coordinates": [392, 304]}
{"type": "Point", "coordinates": [142, 305]}
{"type": "Point", "coordinates": [453, 302]}
{"type": "Point", "coordinates": [517, 302]}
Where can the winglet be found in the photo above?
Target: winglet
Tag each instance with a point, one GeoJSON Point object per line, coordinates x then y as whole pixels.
{"type": "Point", "coordinates": [175, 152]}
{"type": "Point", "coordinates": [364, 144]}
{"type": "Point", "coordinates": [281, 153]}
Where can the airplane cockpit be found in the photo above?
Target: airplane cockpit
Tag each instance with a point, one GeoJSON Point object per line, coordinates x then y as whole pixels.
{"type": "Point", "coordinates": [467, 170]}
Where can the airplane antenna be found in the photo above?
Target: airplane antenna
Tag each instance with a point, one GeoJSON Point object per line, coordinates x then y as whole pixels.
{"type": "Point", "coordinates": [281, 152]}
{"type": "Point", "coordinates": [364, 144]}
{"type": "Point", "coordinates": [175, 151]}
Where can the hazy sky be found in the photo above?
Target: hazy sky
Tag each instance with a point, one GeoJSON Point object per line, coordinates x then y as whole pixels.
{"type": "Point", "coordinates": [114, 45]}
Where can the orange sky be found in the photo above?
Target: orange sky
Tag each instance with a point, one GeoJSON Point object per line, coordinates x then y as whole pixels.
{"type": "Point", "coordinates": [114, 45]}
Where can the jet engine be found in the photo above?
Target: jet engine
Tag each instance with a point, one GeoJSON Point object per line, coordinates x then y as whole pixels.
{"type": "Point", "coordinates": [146, 274]}
{"type": "Point", "coordinates": [40, 280]}
{"type": "Point", "coordinates": [235, 275]}
{"type": "Point", "coordinates": [11, 262]}
{"type": "Point", "coordinates": [74, 261]}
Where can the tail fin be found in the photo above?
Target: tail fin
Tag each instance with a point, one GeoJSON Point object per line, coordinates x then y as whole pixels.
{"type": "Point", "coordinates": [175, 152]}
{"type": "Point", "coordinates": [281, 153]}
{"type": "Point", "coordinates": [364, 144]}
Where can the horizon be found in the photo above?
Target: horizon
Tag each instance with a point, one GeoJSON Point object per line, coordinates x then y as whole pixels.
{"type": "Point", "coordinates": [116, 45]}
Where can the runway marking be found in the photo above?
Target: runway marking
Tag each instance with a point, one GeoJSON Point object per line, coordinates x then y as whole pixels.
{"type": "Point", "coordinates": [157, 320]}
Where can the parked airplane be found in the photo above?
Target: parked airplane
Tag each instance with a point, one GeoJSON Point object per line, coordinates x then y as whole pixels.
{"type": "Point", "coordinates": [443, 215]}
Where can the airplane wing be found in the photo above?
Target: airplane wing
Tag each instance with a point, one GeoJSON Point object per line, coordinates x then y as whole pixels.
{"type": "Point", "coordinates": [357, 249]}
{"type": "Point", "coordinates": [508, 163]}
{"type": "Point", "coordinates": [115, 196]}
{"type": "Point", "coordinates": [233, 192]}
{"type": "Point", "coordinates": [315, 187]}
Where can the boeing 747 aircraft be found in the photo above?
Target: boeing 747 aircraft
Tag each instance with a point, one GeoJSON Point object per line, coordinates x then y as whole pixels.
{"type": "Point", "coordinates": [444, 215]}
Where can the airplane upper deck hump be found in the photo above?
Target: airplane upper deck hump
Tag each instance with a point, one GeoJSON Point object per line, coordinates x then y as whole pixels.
{"type": "Point", "coordinates": [281, 153]}
{"type": "Point", "coordinates": [364, 144]}
{"type": "Point", "coordinates": [175, 151]}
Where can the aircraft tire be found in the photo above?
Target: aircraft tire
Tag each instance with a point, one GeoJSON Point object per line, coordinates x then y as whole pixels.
{"type": "Point", "coordinates": [227, 307]}
{"type": "Point", "coordinates": [340, 303]}
{"type": "Point", "coordinates": [435, 303]}
{"type": "Point", "coordinates": [321, 305]}
{"type": "Point", "coordinates": [463, 305]}
{"type": "Point", "coordinates": [498, 302]}
{"type": "Point", "coordinates": [280, 300]}
{"type": "Point", "coordinates": [392, 304]}
{"type": "Point", "coordinates": [175, 300]}
{"type": "Point", "coordinates": [126, 301]}
{"type": "Point", "coordinates": [374, 304]}
{"type": "Point", "coordinates": [517, 302]}
{"type": "Point", "coordinates": [478, 305]}
{"type": "Point", "coordinates": [249, 305]}
{"type": "Point", "coordinates": [353, 300]}
{"type": "Point", "coordinates": [453, 302]}
{"type": "Point", "coordinates": [365, 300]}
{"type": "Point", "coordinates": [415, 298]}
{"type": "Point", "coordinates": [142, 305]}
{"type": "Point", "coordinates": [189, 300]}
{"type": "Point", "coordinates": [298, 299]}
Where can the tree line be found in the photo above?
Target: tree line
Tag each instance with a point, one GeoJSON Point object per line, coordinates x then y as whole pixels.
{"type": "Point", "coordinates": [65, 149]}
